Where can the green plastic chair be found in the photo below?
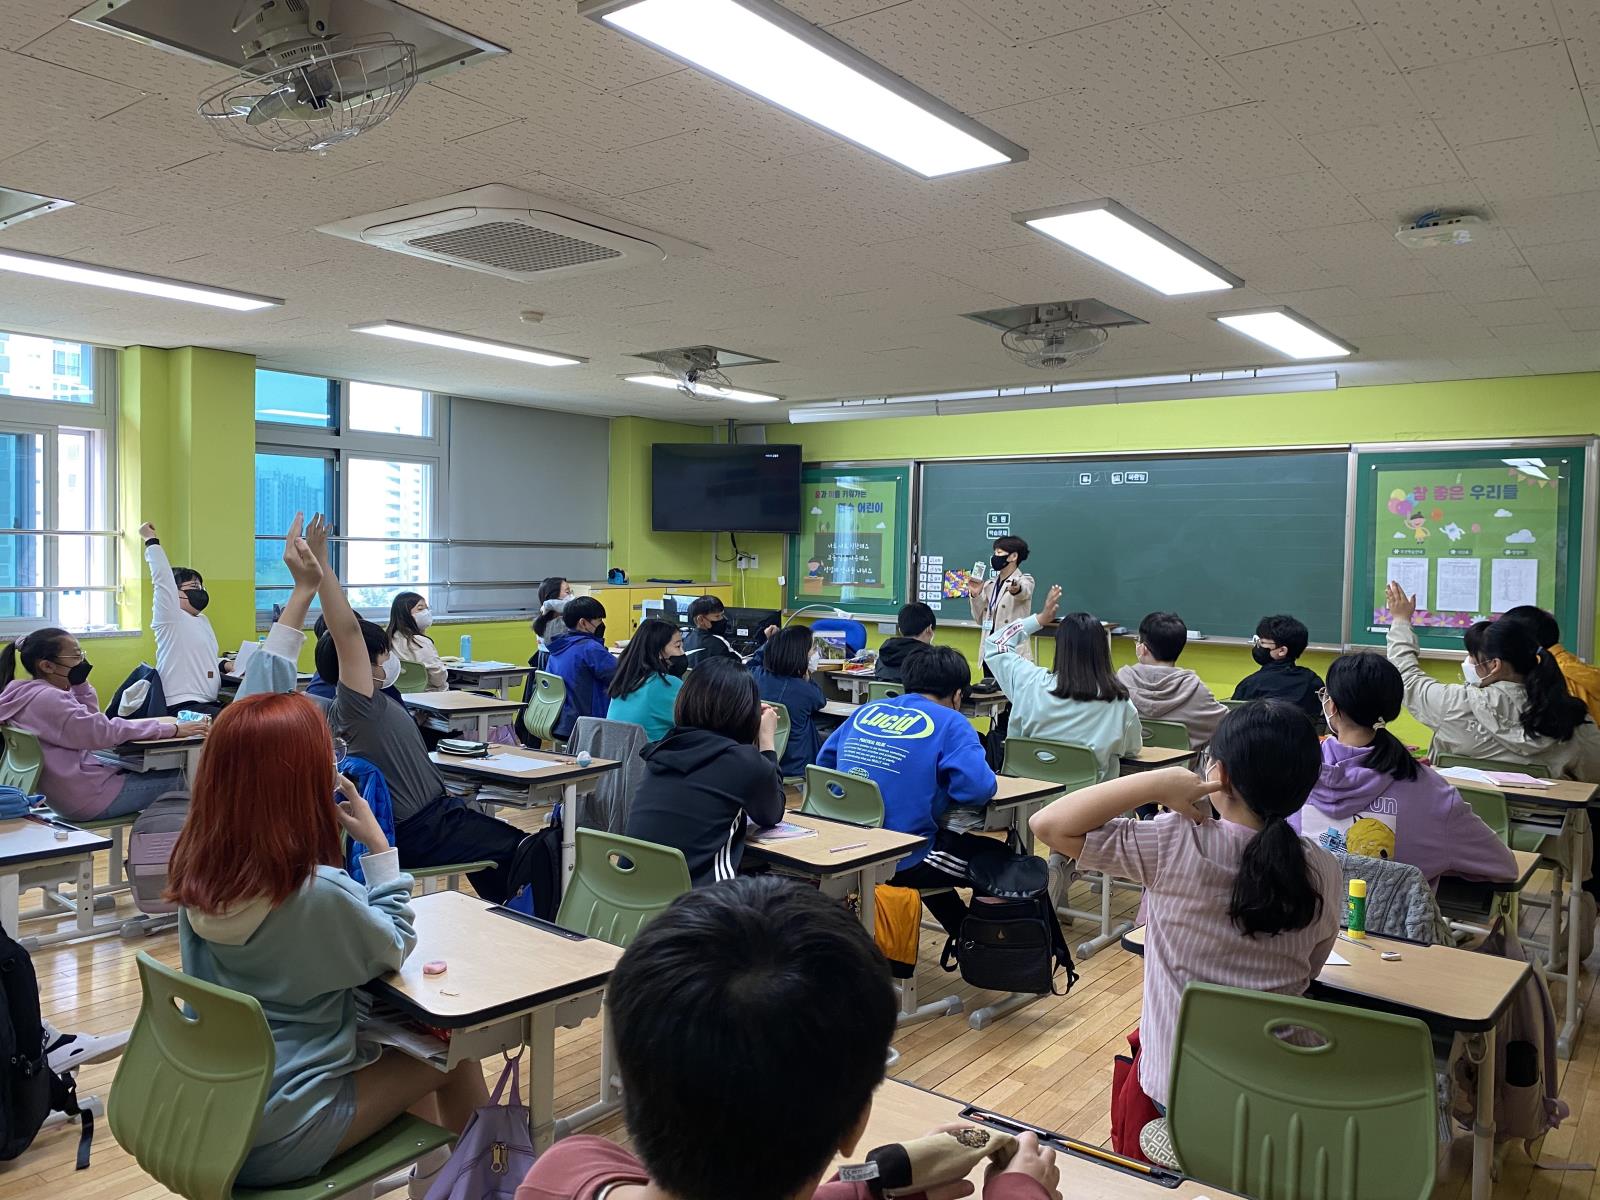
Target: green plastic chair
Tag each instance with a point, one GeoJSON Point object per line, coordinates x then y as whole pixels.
{"type": "Point", "coordinates": [619, 884]}
{"type": "Point", "coordinates": [1232, 704]}
{"type": "Point", "coordinates": [1490, 806]}
{"type": "Point", "coordinates": [188, 1094]}
{"type": "Point", "coordinates": [842, 797]}
{"type": "Point", "coordinates": [1167, 735]}
{"type": "Point", "coordinates": [22, 761]}
{"type": "Point", "coordinates": [884, 690]}
{"type": "Point", "coordinates": [780, 739]}
{"type": "Point", "coordinates": [413, 678]}
{"type": "Point", "coordinates": [1353, 1117]}
{"type": "Point", "coordinates": [1072, 767]}
{"type": "Point", "coordinates": [544, 709]}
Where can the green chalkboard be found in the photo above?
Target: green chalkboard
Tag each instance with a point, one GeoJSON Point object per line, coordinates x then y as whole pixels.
{"type": "Point", "coordinates": [1220, 539]}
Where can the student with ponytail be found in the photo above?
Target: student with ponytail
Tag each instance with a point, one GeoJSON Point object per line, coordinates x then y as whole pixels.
{"type": "Point", "coordinates": [1243, 901]}
{"type": "Point", "coordinates": [1375, 799]}
{"type": "Point", "coordinates": [60, 708]}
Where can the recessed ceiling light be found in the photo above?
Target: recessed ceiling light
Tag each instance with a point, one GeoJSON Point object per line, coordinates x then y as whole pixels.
{"type": "Point", "coordinates": [764, 49]}
{"type": "Point", "coordinates": [472, 345]}
{"type": "Point", "coordinates": [705, 390]}
{"type": "Point", "coordinates": [1287, 332]}
{"type": "Point", "coordinates": [1108, 233]}
{"type": "Point", "coordinates": [67, 271]}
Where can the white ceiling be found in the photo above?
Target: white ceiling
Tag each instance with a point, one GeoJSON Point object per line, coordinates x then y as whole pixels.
{"type": "Point", "coordinates": [1283, 138]}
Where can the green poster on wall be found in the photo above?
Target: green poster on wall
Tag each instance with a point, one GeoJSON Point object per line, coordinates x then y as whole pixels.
{"type": "Point", "coordinates": [1470, 535]}
{"type": "Point", "coordinates": [851, 549]}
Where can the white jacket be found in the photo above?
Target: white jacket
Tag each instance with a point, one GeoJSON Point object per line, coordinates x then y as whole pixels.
{"type": "Point", "coordinates": [421, 649]}
{"type": "Point", "coordinates": [992, 612]}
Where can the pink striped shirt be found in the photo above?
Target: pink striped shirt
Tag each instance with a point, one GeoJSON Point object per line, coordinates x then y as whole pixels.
{"type": "Point", "coordinates": [1188, 872]}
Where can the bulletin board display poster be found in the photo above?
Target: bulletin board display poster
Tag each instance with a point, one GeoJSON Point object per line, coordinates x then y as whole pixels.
{"type": "Point", "coordinates": [851, 551]}
{"type": "Point", "coordinates": [1470, 534]}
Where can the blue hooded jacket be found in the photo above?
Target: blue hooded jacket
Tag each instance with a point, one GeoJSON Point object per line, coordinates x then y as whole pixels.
{"type": "Point", "coordinates": [923, 756]}
{"type": "Point", "coordinates": [586, 667]}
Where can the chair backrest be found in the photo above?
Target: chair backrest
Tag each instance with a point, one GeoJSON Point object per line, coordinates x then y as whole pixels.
{"type": "Point", "coordinates": [1352, 1116]}
{"type": "Point", "coordinates": [544, 708]}
{"type": "Point", "coordinates": [619, 884]}
{"type": "Point", "coordinates": [780, 737]}
{"type": "Point", "coordinates": [1072, 767]}
{"type": "Point", "coordinates": [884, 690]}
{"type": "Point", "coordinates": [1490, 806]}
{"type": "Point", "coordinates": [1168, 735]}
{"type": "Point", "coordinates": [1232, 703]}
{"type": "Point", "coordinates": [413, 678]}
{"type": "Point", "coordinates": [22, 762]}
{"type": "Point", "coordinates": [842, 797]}
{"type": "Point", "coordinates": [855, 633]}
{"type": "Point", "coordinates": [189, 1091]}
{"type": "Point", "coordinates": [1490, 764]}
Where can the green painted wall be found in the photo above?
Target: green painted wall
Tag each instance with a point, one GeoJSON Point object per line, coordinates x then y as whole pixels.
{"type": "Point", "coordinates": [636, 547]}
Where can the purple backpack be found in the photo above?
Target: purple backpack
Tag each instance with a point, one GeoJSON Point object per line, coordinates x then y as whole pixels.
{"type": "Point", "coordinates": [495, 1149]}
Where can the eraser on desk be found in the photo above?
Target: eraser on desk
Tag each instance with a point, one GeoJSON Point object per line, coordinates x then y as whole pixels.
{"type": "Point", "coordinates": [436, 967]}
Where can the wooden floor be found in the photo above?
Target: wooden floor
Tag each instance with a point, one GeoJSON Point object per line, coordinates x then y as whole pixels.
{"type": "Point", "coordinates": [1049, 1063]}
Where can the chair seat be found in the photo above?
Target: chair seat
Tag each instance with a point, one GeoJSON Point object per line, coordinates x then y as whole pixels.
{"type": "Point", "coordinates": [400, 1143]}
{"type": "Point", "coordinates": [461, 868]}
{"type": "Point", "coordinates": [102, 822]}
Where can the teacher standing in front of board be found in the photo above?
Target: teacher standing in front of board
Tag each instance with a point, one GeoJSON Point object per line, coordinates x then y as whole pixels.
{"type": "Point", "coordinates": [1007, 595]}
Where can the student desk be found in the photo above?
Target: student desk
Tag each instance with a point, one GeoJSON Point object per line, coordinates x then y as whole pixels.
{"type": "Point", "coordinates": [1449, 990]}
{"type": "Point", "coordinates": [902, 1112]}
{"type": "Point", "coordinates": [31, 854]}
{"type": "Point", "coordinates": [498, 678]}
{"type": "Point", "coordinates": [511, 980]}
{"type": "Point", "coordinates": [854, 683]}
{"type": "Point", "coordinates": [528, 789]}
{"type": "Point", "coordinates": [482, 711]}
{"type": "Point", "coordinates": [1154, 758]}
{"type": "Point", "coordinates": [157, 754]}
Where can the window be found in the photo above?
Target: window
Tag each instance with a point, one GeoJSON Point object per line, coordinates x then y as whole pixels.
{"type": "Point", "coordinates": [58, 554]}
{"type": "Point", "coordinates": [367, 456]}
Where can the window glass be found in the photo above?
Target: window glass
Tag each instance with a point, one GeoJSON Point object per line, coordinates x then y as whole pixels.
{"type": "Point", "coordinates": [36, 368]}
{"type": "Point", "coordinates": [285, 399]}
{"type": "Point", "coordinates": [374, 408]}
{"type": "Point", "coordinates": [285, 484]}
{"type": "Point", "coordinates": [390, 500]}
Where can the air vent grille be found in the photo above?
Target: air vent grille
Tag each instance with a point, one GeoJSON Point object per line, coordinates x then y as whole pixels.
{"type": "Point", "coordinates": [508, 246]}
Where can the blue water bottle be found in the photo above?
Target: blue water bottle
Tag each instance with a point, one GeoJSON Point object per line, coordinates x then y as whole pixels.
{"type": "Point", "coordinates": [466, 647]}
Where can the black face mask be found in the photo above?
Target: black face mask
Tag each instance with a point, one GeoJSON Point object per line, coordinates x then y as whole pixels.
{"type": "Point", "coordinates": [677, 664]}
{"type": "Point", "coordinates": [79, 673]}
{"type": "Point", "coordinates": [1262, 655]}
{"type": "Point", "coordinates": [600, 631]}
{"type": "Point", "coordinates": [999, 561]}
{"type": "Point", "coordinates": [198, 598]}
{"type": "Point", "coordinates": [719, 627]}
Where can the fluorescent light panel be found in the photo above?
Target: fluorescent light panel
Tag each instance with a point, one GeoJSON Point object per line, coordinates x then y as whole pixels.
{"type": "Point", "coordinates": [66, 271]}
{"type": "Point", "coordinates": [705, 390]}
{"type": "Point", "coordinates": [766, 50]}
{"type": "Point", "coordinates": [1287, 332]}
{"type": "Point", "coordinates": [403, 332]}
{"type": "Point", "coordinates": [1108, 233]}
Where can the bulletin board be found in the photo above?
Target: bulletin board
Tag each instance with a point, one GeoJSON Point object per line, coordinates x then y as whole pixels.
{"type": "Point", "coordinates": [851, 551]}
{"type": "Point", "coordinates": [1470, 533]}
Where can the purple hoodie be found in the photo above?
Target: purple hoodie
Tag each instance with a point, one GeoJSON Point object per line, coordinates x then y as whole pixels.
{"type": "Point", "coordinates": [70, 727]}
{"type": "Point", "coordinates": [1424, 822]}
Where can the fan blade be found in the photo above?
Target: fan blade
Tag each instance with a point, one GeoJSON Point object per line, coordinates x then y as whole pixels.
{"type": "Point", "coordinates": [284, 105]}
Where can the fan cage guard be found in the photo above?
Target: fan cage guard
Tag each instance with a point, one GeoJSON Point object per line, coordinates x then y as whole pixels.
{"type": "Point", "coordinates": [1053, 344]}
{"type": "Point", "coordinates": [375, 75]}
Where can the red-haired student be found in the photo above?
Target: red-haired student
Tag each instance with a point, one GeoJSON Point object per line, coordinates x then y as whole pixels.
{"type": "Point", "coordinates": [266, 910]}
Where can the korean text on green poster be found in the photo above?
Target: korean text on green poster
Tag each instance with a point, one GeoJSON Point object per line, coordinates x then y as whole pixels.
{"type": "Point", "coordinates": [851, 549]}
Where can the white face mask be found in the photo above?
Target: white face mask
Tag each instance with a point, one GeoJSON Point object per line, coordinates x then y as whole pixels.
{"type": "Point", "coordinates": [1470, 673]}
{"type": "Point", "coordinates": [814, 662]}
{"type": "Point", "coordinates": [391, 669]}
{"type": "Point", "coordinates": [423, 618]}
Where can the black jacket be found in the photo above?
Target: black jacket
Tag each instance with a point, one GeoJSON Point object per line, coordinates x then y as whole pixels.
{"type": "Point", "coordinates": [1289, 682]}
{"type": "Point", "coordinates": [892, 657]}
{"type": "Point", "coordinates": [696, 790]}
{"type": "Point", "coordinates": [702, 644]}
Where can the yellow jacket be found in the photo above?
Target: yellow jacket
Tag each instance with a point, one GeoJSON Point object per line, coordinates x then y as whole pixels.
{"type": "Point", "coordinates": [1583, 680]}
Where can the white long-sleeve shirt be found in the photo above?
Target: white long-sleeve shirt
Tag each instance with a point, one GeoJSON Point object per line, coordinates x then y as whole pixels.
{"type": "Point", "coordinates": [421, 649]}
{"type": "Point", "coordinates": [186, 646]}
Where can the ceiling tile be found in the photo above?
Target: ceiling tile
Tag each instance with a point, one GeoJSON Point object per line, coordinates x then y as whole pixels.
{"type": "Point", "coordinates": [1251, 24]}
{"type": "Point", "coordinates": [1580, 22]}
{"type": "Point", "coordinates": [1543, 333]}
{"type": "Point", "coordinates": [1368, 158]}
{"type": "Point", "coordinates": [1505, 95]}
{"type": "Point", "coordinates": [1540, 220]}
{"type": "Point", "coordinates": [1299, 201]}
{"type": "Point", "coordinates": [690, 100]}
{"type": "Point", "coordinates": [1423, 33]}
{"type": "Point", "coordinates": [1582, 320]}
{"type": "Point", "coordinates": [1241, 142]}
{"type": "Point", "coordinates": [1536, 165]}
{"type": "Point", "coordinates": [1030, 20]}
{"type": "Point", "coordinates": [1506, 283]}
{"type": "Point", "coordinates": [1564, 260]}
{"type": "Point", "coordinates": [1537, 310]}
{"type": "Point", "coordinates": [1404, 205]}
{"type": "Point", "coordinates": [1328, 82]}
{"type": "Point", "coordinates": [1071, 131]}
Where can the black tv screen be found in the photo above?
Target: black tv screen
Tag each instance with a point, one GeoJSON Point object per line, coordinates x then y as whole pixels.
{"type": "Point", "coordinates": [710, 489]}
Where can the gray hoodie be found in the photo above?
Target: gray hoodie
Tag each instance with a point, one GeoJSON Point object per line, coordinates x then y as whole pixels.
{"type": "Point", "coordinates": [1167, 693]}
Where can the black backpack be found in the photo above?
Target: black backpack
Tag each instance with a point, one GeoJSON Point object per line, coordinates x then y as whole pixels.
{"type": "Point", "coordinates": [1010, 940]}
{"type": "Point", "coordinates": [29, 1090]}
{"type": "Point", "coordinates": [535, 874]}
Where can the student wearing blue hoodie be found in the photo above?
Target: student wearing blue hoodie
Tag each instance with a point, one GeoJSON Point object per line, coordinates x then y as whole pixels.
{"type": "Point", "coordinates": [924, 756]}
{"type": "Point", "coordinates": [582, 660]}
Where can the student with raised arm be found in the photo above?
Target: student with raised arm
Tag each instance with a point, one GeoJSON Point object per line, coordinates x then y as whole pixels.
{"type": "Point", "coordinates": [1242, 901]}
{"type": "Point", "coordinates": [432, 828]}
{"type": "Point", "coordinates": [274, 668]}
{"type": "Point", "coordinates": [187, 656]}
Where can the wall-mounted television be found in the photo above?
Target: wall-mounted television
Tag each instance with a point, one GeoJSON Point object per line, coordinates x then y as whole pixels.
{"type": "Point", "coordinates": [703, 488]}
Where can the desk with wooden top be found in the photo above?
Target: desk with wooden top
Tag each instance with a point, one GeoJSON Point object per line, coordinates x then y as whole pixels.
{"type": "Point", "coordinates": [1154, 758]}
{"type": "Point", "coordinates": [482, 711]}
{"type": "Point", "coordinates": [37, 850]}
{"type": "Point", "coordinates": [156, 754]}
{"type": "Point", "coordinates": [842, 857]}
{"type": "Point", "coordinates": [1449, 990]}
{"type": "Point", "coordinates": [510, 980]}
{"type": "Point", "coordinates": [498, 678]}
{"type": "Point", "coordinates": [528, 789]}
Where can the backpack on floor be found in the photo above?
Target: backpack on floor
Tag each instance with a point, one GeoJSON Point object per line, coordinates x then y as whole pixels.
{"type": "Point", "coordinates": [1010, 940]}
{"type": "Point", "coordinates": [29, 1090]}
{"type": "Point", "coordinates": [535, 875]}
{"type": "Point", "coordinates": [150, 842]}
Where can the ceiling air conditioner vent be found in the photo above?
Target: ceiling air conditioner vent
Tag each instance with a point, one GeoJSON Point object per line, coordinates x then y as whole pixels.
{"type": "Point", "coordinates": [513, 234]}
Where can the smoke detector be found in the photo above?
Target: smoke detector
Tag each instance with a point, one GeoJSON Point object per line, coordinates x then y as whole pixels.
{"type": "Point", "coordinates": [504, 231]}
{"type": "Point", "coordinates": [1440, 229]}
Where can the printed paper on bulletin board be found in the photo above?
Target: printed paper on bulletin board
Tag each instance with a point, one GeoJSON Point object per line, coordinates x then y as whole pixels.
{"type": "Point", "coordinates": [851, 549]}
